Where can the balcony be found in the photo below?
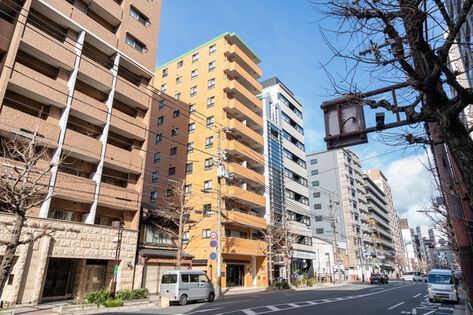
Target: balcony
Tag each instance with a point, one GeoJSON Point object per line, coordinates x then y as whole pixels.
{"type": "Point", "coordinates": [75, 188]}
{"type": "Point", "coordinates": [94, 27]}
{"type": "Point", "coordinates": [240, 111]}
{"type": "Point", "coordinates": [95, 74]}
{"type": "Point", "coordinates": [235, 53]}
{"type": "Point", "coordinates": [242, 151]}
{"type": "Point", "coordinates": [132, 94]}
{"type": "Point", "coordinates": [49, 48]}
{"type": "Point", "coordinates": [254, 139]}
{"type": "Point", "coordinates": [245, 173]}
{"type": "Point", "coordinates": [6, 33]}
{"type": "Point", "coordinates": [37, 86]}
{"type": "Point", "coordinates": [127, 125]}
{"type": "Point", "coordinates": [243, 246]}
{"type": "Point", "coordinates": [245, 197]}
{"type": "Point", "coordinates": [108, 8]}
{"type": "Point", "coordinates": [245, 219]}
{"type": "Point", "coordinates": [84, 146]}
{"type": "Point", "coordinates": [124, 160]}
{"type": "Point", "coordinates": [118, 198]}
{"type": "Point", "coordinates": [246, 79]}
{"type": "Point", "coordinates": [89, 109]}
{"type": "Point", "coordinates": [236, 90]}
{"type": "Point", "coordinates": [17, 121]}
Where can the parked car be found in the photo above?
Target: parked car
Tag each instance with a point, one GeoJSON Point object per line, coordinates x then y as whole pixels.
{"type": "Point", "coordinates": [424, 277]}
{"type": "Point", "coordinates": [417, 276]}
{"type": "Point", "coordinates": [186, 285]}
{"type": "Point", "coordinates": [408, 276]}
{"type": "Point", "coordinates": [443, 285]}
{"type": "Point", "coordinates": [377, 278]}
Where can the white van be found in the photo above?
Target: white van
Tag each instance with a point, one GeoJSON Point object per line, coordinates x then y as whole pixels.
{"type": "Point", "coordinates": [408, 276]}
{"type": "Point", "coordinates": [442, 285]}
{"type": "Point", "coordinates": [186, 285]}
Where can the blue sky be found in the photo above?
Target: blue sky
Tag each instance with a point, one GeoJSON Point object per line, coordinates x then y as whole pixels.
{"type": "Point", "coordinates": [286, 36]}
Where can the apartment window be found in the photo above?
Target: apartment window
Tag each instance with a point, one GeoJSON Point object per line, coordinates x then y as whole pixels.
{"type": "Point", "coordinates": [190, 147]}
{"type": "Point", "coordinates": [211, 102]}
{"type": "Point", "coordinates": [140, 17]}
{"type": "Point", "coordinates": [157, 157]}
{"type": "Point", "coordinates": [318, 218]}
{"type": "Point", "coordinates": [207, 209]}
{"type": "Point", "coordinates": [159, 138]}
{"type": "Point", "coordinates": [307, 241]}
{"type": "Point", "coordinates": [176, 113]}
{"type": "Point", "coordinates": [177, 96]}
{"type": "Point", "coordinates": [212, 65]}
{"type": "Point", "coordinates": [179, 79]}
{"type": "Point", "coordinates": [209, 142]}
{"type": "Point", "coordinates": [173, 151]}
{"type": "Point", "coordinates": [195, 57]}
{"type": "Point", "coordinates": [162, 103]}
{"type": "Point", "coordinates": [160, 120]}
{"type": "Point", "coordinates": [206, 233]}
{"type": "Point", "coordinates": [191, 127]}
{"type": "Point", "coordinates": [136, 44]}
{"type": "Point", "coordinates": [192, 108]}
{"type": "Point", "coordinates": [165, 73]}
{"type": "Point", "coordinates": [174, 132]}
{"type": "Point", "coordinates": [212, 49]}
{"type": "Point", "coordinates": [319, 231]}
{"type": "Point", "coordinates": [313, 161]}
{"type": "Point", "coordinates": [315, 183]}
{"type": "Point", "coordinates": [153, 196]}
{"type": "Point", "coordinates": [316, 194]}
{"type": "Point", "coordinates": [314, 172]}
{"type": "Point", "coordinates": [194, 74]}
{"type": "Point", "coordinates": [189, 168]}
{"type": "Point", "coordinates": [211, 83]}
{"type": "Point", "coordinates": [164, 87]}
{"type": "Point", "coordinates": [154, 177]}
{"type": "Point", "coordinates": [208, 163]}
{"type": "Point", "coordinates": [179, 64]}
{"type": "Point", "coordinates": [317, 206]}
{"type": "Point", "coordinates": [208, 185]}
{"type": "Point", "coordinates": [172, 171]}
{"type": "Point", "coordinates": [193, 90]}
{"type": "Point", "coordinates": [188, 189]}
{"type": "Point", "coordinates": [185, 239]}
{"type": "Point", "coordinates": [210, 121]}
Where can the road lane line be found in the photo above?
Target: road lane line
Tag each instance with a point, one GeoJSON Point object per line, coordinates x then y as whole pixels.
{"type": "Point", "coordinates": [429, 312]}
{"type": "Point", "coordinates": [417, 295]}
{"type": "Point", "coordinates": [414, 311]}
{"type": "Point", "coordinates": [248, 312]}
{"type": "Point", "coordinates": [394, 306]}
{"type": "Point", "coordinates": [272, 308]}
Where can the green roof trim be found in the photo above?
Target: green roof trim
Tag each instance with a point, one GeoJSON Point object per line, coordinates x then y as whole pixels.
{"type": "Point", "coordinates": [207, 43]}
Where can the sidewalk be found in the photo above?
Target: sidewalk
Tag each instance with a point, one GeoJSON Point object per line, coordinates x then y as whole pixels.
{"type": "Point", "coordinates": [353, 285]}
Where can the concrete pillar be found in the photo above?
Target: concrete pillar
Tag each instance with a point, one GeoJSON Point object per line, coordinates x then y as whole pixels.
{"type": "Point", "coordinates": [254, 272]}
{"type": "Point", "coordinates": [19, 272]}
{"type": "Point", "coordinates": [44, 247]}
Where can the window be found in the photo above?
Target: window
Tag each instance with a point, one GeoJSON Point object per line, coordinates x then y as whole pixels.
{"type": "Point", "coordinates": [185, 239]}
{"type": "Point", "coordinates": [194, 278]}
{"type": "Point", "coordinates": [314, 172]}
{"type": "Point", "coordinates": [179, 64]}
{"type": "Point", "coordinates": [160, 120]}
{"type": "Point", "coordinates": [191, 128]}
{"type": "Point", "coordinates": [319, 231]}
{"type": "Point", "coordinates": [157, 157]}
{"type": "Point", "coordinates": [162, 103]}
{"type": "Point", "coordinates": [210, 121]}
{"type": "Point", "coordinates": [179, 80]}
{"type": "Point", "coordinates": [174, 132]}
{"type": "Point", "coordinates": [189, 167]}
{"type": "Point", "coordinates": [195, 57]}
{"type": "Point", "coordinates": [212, 66]}
{"type": "Point", "coordinates": [212, 49]}
{"type": "Point", "coordinates": [154, 177]}
{"type": "Point", "coordinates": [316, 194]}
{"type": "Point", "coordinates": [61, 215]}
{"type": "Point", "coordinates": [177, 96]}
{"type": "Point", "coordinates": [165, 73]}
{"type": "Point", "coordinates": [153, 196]}
{"type": "Point", "coordinates": [203, 279]}
{"type": "Point", "coordinates": [317, 206]}
{"type": "Point", "coordinates": [208, 163]}
{"type": "Point", "coordinates": [154, 236]}
{"type": "Point", "coordinates": [159, 138]}
{"type": "Point", "coordinates": [163, 87]}
{"type": "Point", "coordinates": [188, 189]}
{"type": "Point", "coordinates": [315, 183]}
{"type": "Point", "coordinates": [140, 17]}
{"type": "Point", "coordinates": [207, 209]}
{"type": "Point", "coordinates": [169, 279]}
{"type": "Point", "coordinates": [211, 83]}
{"type": "Point", "coordinates": [172, 171]}
{"type": "Point", "coordinates": [169, 192]}
{"type": "Point", "coordinates": [192, 109]}
{"type": "Point", "coordinates": [173, 151]}
{"type": "Point", "coordinates": [136, 44]}
{"type": "Point", "coordinates": [318, 218]}
{"type": "Point", "coordinates": [176, 113]}
{"type": "Point", "coordinates": [211, 102]}
{"type": "Point", "coordinates": [206, 233]}
{"type": "Point", "coordinates": [193, 90]}
{"type": "Point", "coordinates": [184, 277]}
{"type": "Point", "coordinates": [307, 241]}
{"type": "Point", "coordinates": [194, 74]}
{"type": "Point", "coordinates": [209, 142]}
{"type": "Point", "coordinates": [190, 147]}
{"type": "Point", "coordinates": [313, 161]}
{"type": "Point", "coordinates": [208, 185]}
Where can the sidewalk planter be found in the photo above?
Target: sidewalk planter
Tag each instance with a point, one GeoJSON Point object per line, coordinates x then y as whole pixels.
{"type": "Point", "coordinates": [94, 308]}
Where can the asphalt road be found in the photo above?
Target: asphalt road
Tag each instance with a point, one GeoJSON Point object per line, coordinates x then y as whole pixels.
{"type": "Point", "coordinates": [394, 298]}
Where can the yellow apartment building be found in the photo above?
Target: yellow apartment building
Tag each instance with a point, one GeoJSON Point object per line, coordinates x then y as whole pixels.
{"type": "Point", "coordinates": [219, 81]}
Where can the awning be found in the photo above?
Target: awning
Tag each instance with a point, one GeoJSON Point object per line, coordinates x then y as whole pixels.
{"type": "Point", "coordinates": [162, 253]}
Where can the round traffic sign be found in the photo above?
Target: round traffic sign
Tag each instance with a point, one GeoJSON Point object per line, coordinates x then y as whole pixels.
{"type": "Point", "coordinates": [213, 235]}
{"type": "Point", "coordinates": [213, 256]}
{"type": "Point", "coordinates": [213, 243]}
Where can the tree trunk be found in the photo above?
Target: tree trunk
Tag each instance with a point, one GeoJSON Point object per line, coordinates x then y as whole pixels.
{"type": "Point", "coordinates": [8, 258]}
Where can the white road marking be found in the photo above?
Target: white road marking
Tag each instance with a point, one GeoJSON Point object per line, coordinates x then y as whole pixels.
{"type": "Point", "coordinates": [394, 306]}
{"type": "Point", "coordinates": [417, 295]}
{"type": "Point", "coordinates": [273, 308]}
{"type": "Point", "coordinates": [429, 312]}
{"type": "Point", "coordinates": [414, 311]}
{"type": "Point", "coordinates": [207, 310]}
{"type": "Point", "coordinates": [248, 312]}
{"type": "Point", "coordinates": [293, 305]}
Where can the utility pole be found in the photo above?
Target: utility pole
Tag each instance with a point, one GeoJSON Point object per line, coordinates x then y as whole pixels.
{"type": "Point", "coordinates": [333, 221]}
{"type": "Point", "coordinates": [117, 257]}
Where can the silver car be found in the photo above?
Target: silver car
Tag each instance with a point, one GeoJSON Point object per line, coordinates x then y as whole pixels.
{"type": "Point", "coordinates": [186, 285]}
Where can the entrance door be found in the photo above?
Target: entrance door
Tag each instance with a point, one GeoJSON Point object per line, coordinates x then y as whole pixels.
{"type": "Point", "coordinates": [235, 275]}
{"type": "Point", "coordinates": [58, 277]}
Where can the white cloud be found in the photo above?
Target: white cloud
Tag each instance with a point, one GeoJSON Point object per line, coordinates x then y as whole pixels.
{"type": "Point", "coordinates": [411, 184]}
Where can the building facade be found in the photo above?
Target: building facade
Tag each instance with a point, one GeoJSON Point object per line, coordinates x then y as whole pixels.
{"type": "Point", "coordinates": [218, 80]}
{"type": "Point", "coordinates": [287, 192]}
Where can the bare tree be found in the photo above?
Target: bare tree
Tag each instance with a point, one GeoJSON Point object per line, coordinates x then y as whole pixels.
{"type": "Point", "coordinates": [24, 180]}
